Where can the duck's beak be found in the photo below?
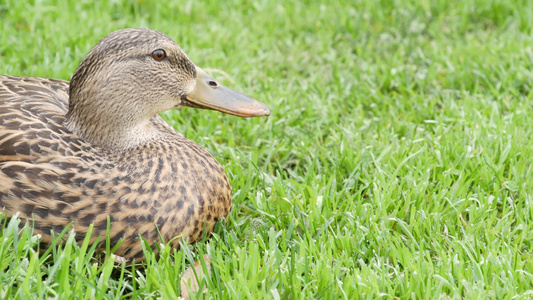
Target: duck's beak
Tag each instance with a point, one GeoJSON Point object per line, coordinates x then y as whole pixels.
{"type": "Point", "coordinates": [211, 94]}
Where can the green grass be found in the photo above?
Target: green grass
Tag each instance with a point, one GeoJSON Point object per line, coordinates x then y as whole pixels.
{"type": "Point", "coordinates": [396, 161]}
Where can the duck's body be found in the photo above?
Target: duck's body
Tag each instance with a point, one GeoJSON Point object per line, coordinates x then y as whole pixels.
{"type": "Point", "coordinates": [54, 177]}
{"type": "Point", "coordinates": [54, 170]}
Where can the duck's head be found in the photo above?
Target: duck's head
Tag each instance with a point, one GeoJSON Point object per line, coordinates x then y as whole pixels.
{"type": "Point", "coordinates": [132, 75]}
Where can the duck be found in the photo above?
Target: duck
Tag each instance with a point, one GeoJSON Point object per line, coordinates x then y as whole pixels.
{"type": "Point", "coordinates": [95, 148]}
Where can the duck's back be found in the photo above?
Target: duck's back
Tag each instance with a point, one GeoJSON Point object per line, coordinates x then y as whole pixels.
{"type": "Point", "coordinates": [53, 177]}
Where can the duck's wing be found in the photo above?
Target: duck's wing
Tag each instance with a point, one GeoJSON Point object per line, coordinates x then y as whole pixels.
{"type": "Point", "coordinates": [32, 113]}
{"type": "Point", "coordinates": [35, 148]}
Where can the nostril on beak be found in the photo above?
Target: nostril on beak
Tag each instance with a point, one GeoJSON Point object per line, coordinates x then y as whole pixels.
{"type": "Point", "coordinates": [212, 83]}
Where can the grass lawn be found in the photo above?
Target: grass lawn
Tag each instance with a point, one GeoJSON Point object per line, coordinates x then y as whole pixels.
{"type": "Point", "coordinates": [396, 161]}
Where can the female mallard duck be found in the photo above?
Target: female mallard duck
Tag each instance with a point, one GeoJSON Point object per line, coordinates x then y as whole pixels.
{"type": "Point", "coordinates": [97, 148]}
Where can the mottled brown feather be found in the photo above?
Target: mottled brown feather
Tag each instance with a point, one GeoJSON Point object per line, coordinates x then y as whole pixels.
{"type": "Point", "coordinates": [52, 176]}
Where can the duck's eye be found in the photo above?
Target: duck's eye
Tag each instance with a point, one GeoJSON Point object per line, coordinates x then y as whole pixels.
{"type": "Point", "coordinates": [159, 54]}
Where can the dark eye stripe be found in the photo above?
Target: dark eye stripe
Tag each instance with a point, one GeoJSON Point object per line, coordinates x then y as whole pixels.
{"type": "Point", "coordinates": [159, 54]}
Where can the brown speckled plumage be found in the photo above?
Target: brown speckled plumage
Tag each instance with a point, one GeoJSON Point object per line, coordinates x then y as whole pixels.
{"type": "Point", "coordinates": [109, 154]}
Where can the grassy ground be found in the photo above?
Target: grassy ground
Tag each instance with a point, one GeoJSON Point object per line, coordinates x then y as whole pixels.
{"type": "Point", "coordinates": [396, 161]}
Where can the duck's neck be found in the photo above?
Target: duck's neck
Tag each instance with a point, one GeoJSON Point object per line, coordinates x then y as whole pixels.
{"type": "Point", "coordinates": [110, 127]}
{"type": "Point", "coordinates": [115, 136]}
